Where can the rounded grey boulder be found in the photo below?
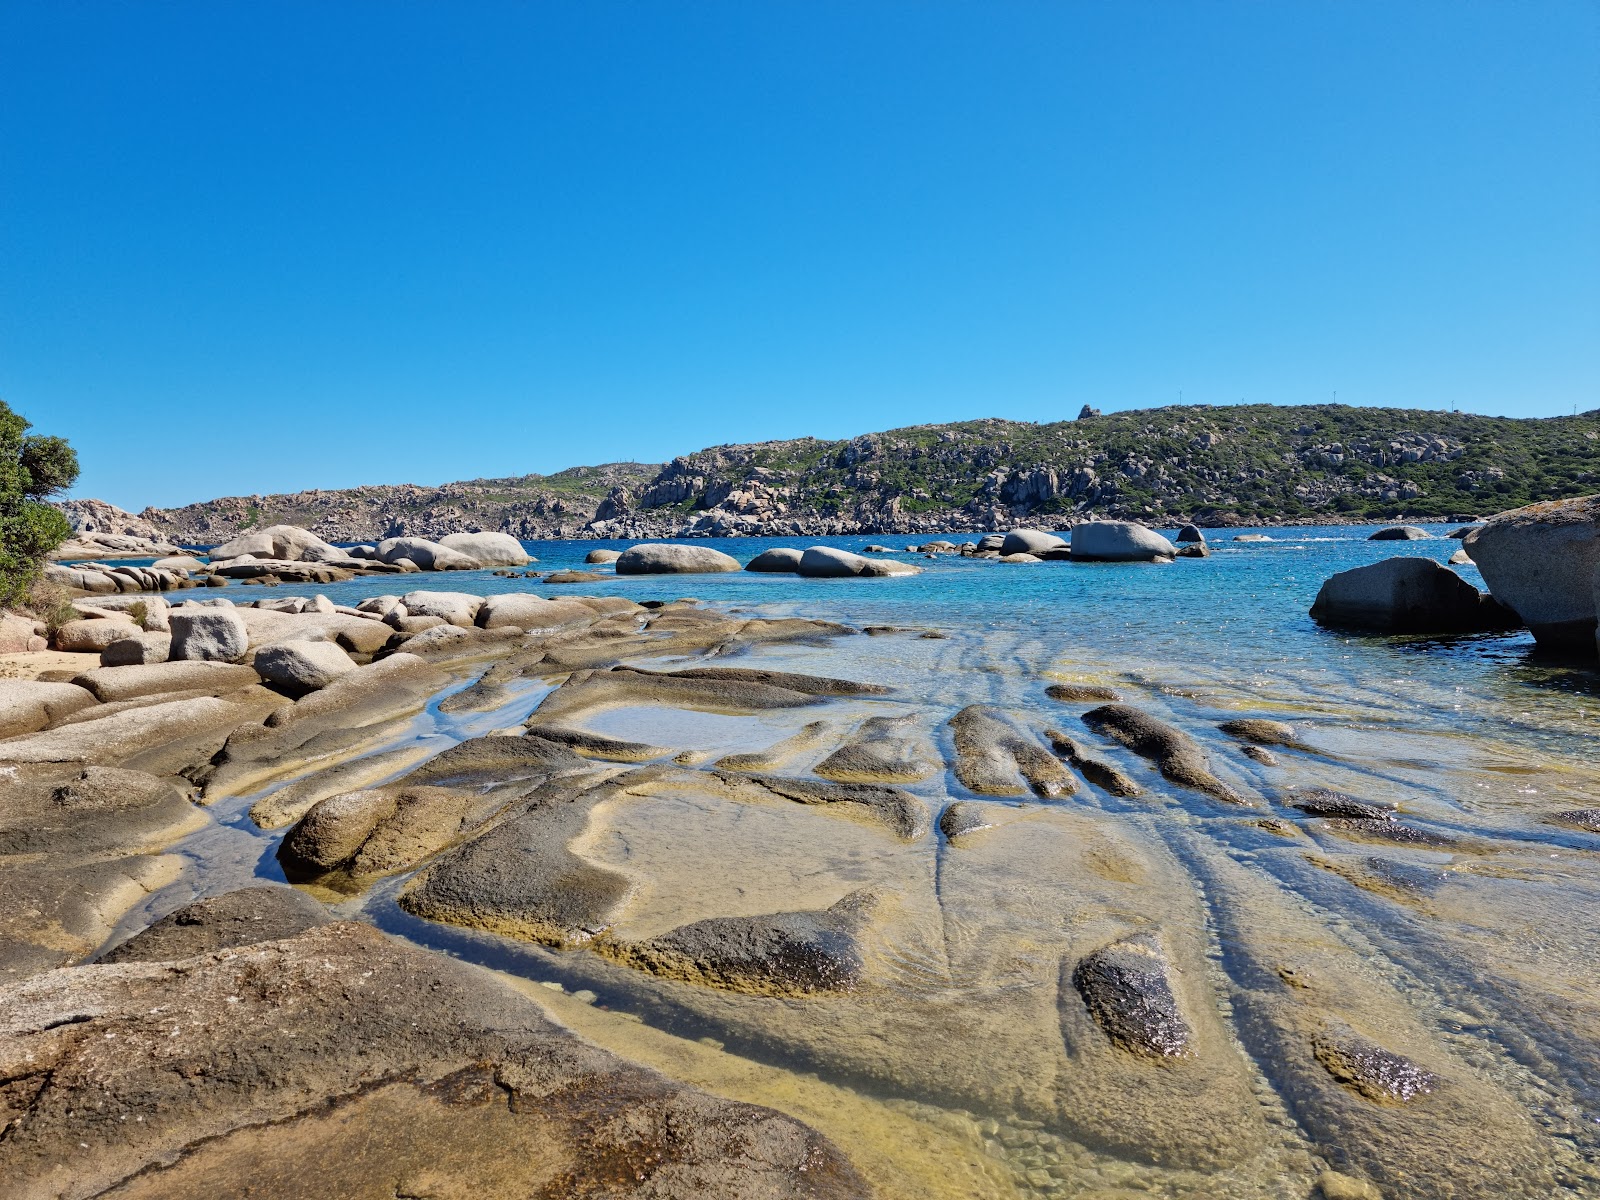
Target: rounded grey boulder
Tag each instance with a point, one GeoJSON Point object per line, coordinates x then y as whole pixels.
{"type": "Point", "coordinates": [1544, 561]}
{"type": "Point", "coordinates": [300, 667]}
{"type": "Point", "coordinates": [210, 635]}
{"type": "Point", "coordinates": [663, 558]}
{"type": "Point", "coordinates": [1191, 533]}
{"type": "Point", "coordinates": [488, 549]}
{"type": "Point", "coordinates": [602, 556]}
{"type": "Point", "coordinates": [1119, 541]}
{"type": "Point", "coordinates": [1399, 533]}
{"type": "Point", "coordinates": [779, 559]}
{"type": "Point", "coordinates": [1028, 541]}
{"type": "Point", "coordinates": [1407, 595]}
{"type": "Point", "coordinates": [824, 562]}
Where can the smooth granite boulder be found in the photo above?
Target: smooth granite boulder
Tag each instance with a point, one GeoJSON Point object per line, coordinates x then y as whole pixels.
{"type": "Point", "coordinates": [778, 559]}
{"type": "Point", "coordinates": [287, 542]}
{"type": "Point", "coordinates": [533, 614]}
{"type": "Point", "coordinates": [824, 562]}
{"type": "Point", "coordinates": [140, 650]}
{"type": "Point", "coordinates": [1119, 541]}
{"type": "Point", "coordinates": [1399, 533]}
{"type": "Point", "coordinates": [26, 705]}
{"type": "Point", "coordinates": [301, 667]}
{"type": "Point", "coordinates": [602, 556]}
{"type": "Point", "coordinates": [1541, 561]}
{"type": "Point", "coordinates": [1028, 541]}
{"type": "Point", "coordinates": [93, 635]}
{"type": "Point", "coordinates": [990, 541]}
{"type": "Point", "coordinates": [425, 555]}
{"type": "Point", "coordinates": [1191, 533]}
{"type": "Point", "coordinates": [1407, 595]}
{"type": "Point", "coordinates": [489, 549]}
{"type": "Point", "coordinates": [661, 558]}
{"type": "Point", "coordinates": [458, 608]}
{"type": "Point", "coordinates": [210, 634]}
{"type": "Point", "coordinates": [111, 684]}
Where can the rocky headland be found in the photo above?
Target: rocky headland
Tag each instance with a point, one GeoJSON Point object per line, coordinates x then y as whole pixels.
{"type": "Point", "coordinates": [1244, 465]}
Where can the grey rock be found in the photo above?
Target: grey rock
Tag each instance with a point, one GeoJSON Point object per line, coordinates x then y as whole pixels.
{"type": "Point", "coordinates": [778, 559]}
{"type": "Point", "coordinates": [458, 608]}
{"type": "Point", "coordinates": [93, 635]}
{"type": "Point", "coordinates": [239, 918]}
{"type": "Point", "coordinates": [211, 635]}
{"type": "Point", "coordinates": [1407, 595]}
{"type": "Point", "coordinates": [1178, 756]}
{"type": "Point", "coordinates": [1542, 561]}
{"type": "Point", "coordinates": [110, 684]}
{"type": "Point", "coordinates": [141, 650]}
{"type": "Point", "coordinates": [26, 705]}
{"type": "Point", "coordinates": [1190, 533]}
{"type": "Point", "coordinates": [671, 559]}
{"type": "Point", "coordinates": [1127, 990]}
{"type": "Point", "coordinates": [1119, 541]}
{"type": "Point", "coordinates": [488, 549]}
{"type": "Point", "coordinates": [1399, 533]}
{"type": "Point", "coordinates": [602, 556]}
{"type": "Point", "coordinates": [301, 667]}
{"type": "Point", "coordinates": [1366, 1068]}
{"type": "Point", "coordinates": [824, 562]}
{"type": "Point", "coordinates": [1026, 541]}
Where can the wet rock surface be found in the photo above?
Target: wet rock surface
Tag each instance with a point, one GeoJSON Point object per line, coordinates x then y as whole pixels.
{"type": "Point", "coordinates": [1178, 756]}
{"type": "Point", "coordinates": [241, 918]}
{"type": "Point", "coordinates": [992, 751]}
{"type": "Point", "coordinates": [1126, 989]}
{"type": "Point", "coordinates": [881, 750]}
{"type": "Point", "coordinates": [461, 1084]}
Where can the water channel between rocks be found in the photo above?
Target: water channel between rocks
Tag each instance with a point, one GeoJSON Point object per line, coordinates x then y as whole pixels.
{"type": "Point", "coordinates": [961, 1060]}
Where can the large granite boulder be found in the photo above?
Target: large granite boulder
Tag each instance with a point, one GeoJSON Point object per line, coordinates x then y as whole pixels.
{"type": "Point", "coordinates": [287, 542]}
{"type": "Point", "coordinates": [93, 635]}
{"type": "Point", "coordinates": [301, 667]}
{"type": "Point", "coordinates": [1119, 541]}
{"type": "Point", "coordinates": [602, 556]}
{"type": "Point", "coordinates": [209, 634]}
{"type": "Point", "coordinates": [1191, 533]}
{"type": "Point", "coordinates": [780, 559]}
{"type": "Point", "coordinates": [532, 614]}
{"type": "Point", "coordinates": [429, 556]}
{"type": "Point", "coordinates": [824, 562]}
{"type": "Point", "coordinates": [1541, 561]}
{"type": "Point", "coordinates": [1028, 541]}
{"type": "Point", "coordinates": [489, 549]}
{"type": "Point", "coordinates": [457, 608]}
{"type": "Point", "coordinates": [661, 558]}
{"type": "Point", "coordinates": [1407, 595]}
{"type": "Point", "coordinates": [18, 635]}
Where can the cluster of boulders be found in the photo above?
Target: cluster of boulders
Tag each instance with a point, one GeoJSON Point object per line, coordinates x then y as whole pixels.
{"type": "Point", "coordinates": [1541, 562]}
{"type": "Point", "coordinates": [91, 544]}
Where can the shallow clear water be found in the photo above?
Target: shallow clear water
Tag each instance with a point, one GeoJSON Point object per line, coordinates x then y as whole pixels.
{"type": "Point", "coordinates": [948, 1055]}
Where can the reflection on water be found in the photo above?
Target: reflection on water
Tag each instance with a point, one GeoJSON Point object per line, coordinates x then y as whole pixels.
{"type": "Point", "coordinates": [1464, 936]}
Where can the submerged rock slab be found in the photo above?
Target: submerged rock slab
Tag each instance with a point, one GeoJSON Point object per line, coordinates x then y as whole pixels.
{"type": "Point", "coordinates": [1127, 989]}
{"type": "Point", "coordinates": [879, 752]}
{"type": "Point", "coordinates": [902, 812]}
{"type": "Point", "coordinates": [778, 954]}
{"type": "Point", "coordinates": [1174, 752]}
{"type": "Point", "coordinates": [991, 750]}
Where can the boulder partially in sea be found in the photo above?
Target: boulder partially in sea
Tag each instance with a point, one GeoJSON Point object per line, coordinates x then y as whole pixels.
{"type": "Point", "coordinates": [1399, 533]}
{"type": "Point", "coordinates": [663, 558]}
{"type": "Point", "coordinates": [1542, 561]}
{"type": "Point", "coordinates": [1027, 541]}
{"type": "Point", "coordinates": [780, 559]}
{"type": "Point", "coordinates": [1191, 533]}
{"type": "Point", "coordinates": [1407, 595]}
{"type": "Point", "coordinates": [1119, 541]}
{"type": "Point", "coordinates": [488, 548]}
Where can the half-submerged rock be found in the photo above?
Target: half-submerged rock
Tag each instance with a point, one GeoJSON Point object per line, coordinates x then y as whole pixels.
{"type": "Point", "coordinates": [1127, 990]}
{"type": "Point", "coordinates": [1407, 595]}
{"type": "Point", "coordinates": [991, 750]}
{"type": "Point", "coordinates": [664, 559]}
{"type": "Point", "coordinates": [1119, 541]}
{"type": "Point", "coordinates": [1178, 755]}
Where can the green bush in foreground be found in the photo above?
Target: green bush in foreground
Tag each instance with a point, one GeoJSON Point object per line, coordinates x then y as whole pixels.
{"type": "Point", "coordinates": [32, 469]}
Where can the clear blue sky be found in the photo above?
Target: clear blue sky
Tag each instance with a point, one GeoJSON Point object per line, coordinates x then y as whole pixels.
{"type": "Point", "coordinates": [252, 247]}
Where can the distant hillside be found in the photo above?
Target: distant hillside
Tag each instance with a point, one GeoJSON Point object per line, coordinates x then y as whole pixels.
{"type": "Point", "coordinates": [1218, 466]}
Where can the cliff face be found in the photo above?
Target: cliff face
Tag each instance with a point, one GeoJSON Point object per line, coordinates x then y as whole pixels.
{"type": "Point", "coordinates": [1219, 466]}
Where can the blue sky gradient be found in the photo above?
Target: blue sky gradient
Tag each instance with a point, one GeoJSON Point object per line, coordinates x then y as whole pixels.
{"type": "Point", "coordinates": [263, 247]}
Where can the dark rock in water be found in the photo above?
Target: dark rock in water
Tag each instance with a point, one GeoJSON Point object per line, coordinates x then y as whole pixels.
{"type": "Point", "coordinates": [1263, 732]}
{"type": "Point", "coordinates": [342, 1062]}
{"type": "Point", "coordinates": [1386, 829]}
{"type": "Point", "coordinates": [241, 918]}
{"type": "Point", "coordinates": [1541, 561]}
{"type": "Point", "coordinates": [1199, 550]}
{"type": "Point", "coordinates": [780, 560]}
{"type": "Point", "coordinates": [1190, 533]}
{"type": "Point", "coordinates": [1176, 754]}
{"type": "Point", "coordinates": [1323, 802]}
{"type": "Point", "coordinates": [779, 954]}
{"type": "Point", "coordinates": [495, 759]}
{"type": "Point", "coordinates": [1384, 877]}
{"type": "Point", "coordinates": [1408, 595]}
{"type": "Point", "coordinates": [1463, 531]}
{"type": "Point", "coordinates": [1399, 533]}
{"type": "Point", "coordinates": [1075, 693]}
{"type": "Point", "coordinates": [1261, 755]}
{"type": "Point", "coordinates": [1368, 1069]}
{"type": "Point", "coordinates": [1587, 819]}
{"type": "Point", "coordinates": [1127, 990]}
{"type": "Point", "coordinates": [1097, 771]}
{"type": "Point", "coordinates": [899, 810]}
{"type": "Point", "coordinates": [964, 816]}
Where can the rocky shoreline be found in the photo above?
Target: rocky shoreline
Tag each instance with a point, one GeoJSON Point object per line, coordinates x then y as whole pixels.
{"type": "Point", "coordinates": [889, 876]}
